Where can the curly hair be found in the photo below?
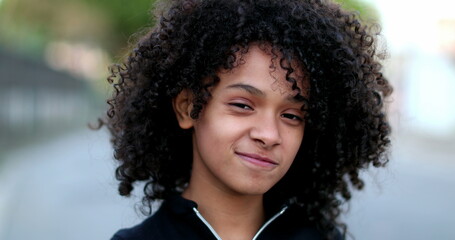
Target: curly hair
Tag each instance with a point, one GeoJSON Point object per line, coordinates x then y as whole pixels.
{"type": "Point", "coordinates": [346, 127]}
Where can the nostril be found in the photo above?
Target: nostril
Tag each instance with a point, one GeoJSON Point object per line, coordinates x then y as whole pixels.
{"type": "Point", "coordinates": [266, 135]}
{"type": "Point", "coordinates": [261, 143]}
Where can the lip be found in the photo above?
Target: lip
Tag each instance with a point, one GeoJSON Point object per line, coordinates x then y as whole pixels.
{"type": "Point", "coordinates": [258, 160]}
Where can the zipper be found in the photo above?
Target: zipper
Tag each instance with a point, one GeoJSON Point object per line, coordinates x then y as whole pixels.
{"type": "Point", "coordinates": [269, 221]}
{"type": "Point", "coordinates": [207, 224]}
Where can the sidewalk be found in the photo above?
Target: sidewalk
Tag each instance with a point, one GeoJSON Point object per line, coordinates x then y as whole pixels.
{"type": "Point", "coordinates": [413, 198]}
{"type": "Point", "coordinates": [64, 189]}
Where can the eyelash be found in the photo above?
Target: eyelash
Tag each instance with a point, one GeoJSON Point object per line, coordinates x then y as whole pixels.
{"type": "Point", "coordinates": [241, 106]}
{"type": "Point", "coordinates": [285, 115]}
{"type": "Point", "coordinates": [292, 117]}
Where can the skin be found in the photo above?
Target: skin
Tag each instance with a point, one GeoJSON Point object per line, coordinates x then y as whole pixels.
{"type": "Point", "coordinates": [244, 142]}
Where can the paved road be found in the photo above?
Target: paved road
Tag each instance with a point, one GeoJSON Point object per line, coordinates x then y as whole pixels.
{"type": "Point", "coordinates": [65, 189]}
{"type": "Point", "coordinates": [413, 198]}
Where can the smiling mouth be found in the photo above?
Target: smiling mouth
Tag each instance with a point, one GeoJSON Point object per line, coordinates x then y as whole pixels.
{"type": "Point", "coordinates": [258, 160]}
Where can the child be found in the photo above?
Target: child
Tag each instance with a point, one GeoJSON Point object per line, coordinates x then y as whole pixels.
{"type": "Point", "coordinates": [251, 119]}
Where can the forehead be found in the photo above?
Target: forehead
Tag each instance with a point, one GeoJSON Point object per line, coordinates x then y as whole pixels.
{"type": "Point", "coordinates": [264, 62]}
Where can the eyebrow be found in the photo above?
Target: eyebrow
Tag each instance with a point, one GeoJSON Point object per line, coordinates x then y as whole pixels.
{"type": "Point", "coordinates": [257, 92]}
{"type": "Point", "coordinates": [249, 89]}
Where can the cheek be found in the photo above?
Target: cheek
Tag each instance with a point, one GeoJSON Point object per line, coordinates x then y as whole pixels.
{"type": "Point", "coordinates": [294, 140]}
{"type": "Point", "coordinates": [214, 134]}
{"type": "Point", "coordinates": [292, 147]}
{"type": "Point", "coordinates": [298, 143]}
{"type": "Point", "coordinates": [220, 126]}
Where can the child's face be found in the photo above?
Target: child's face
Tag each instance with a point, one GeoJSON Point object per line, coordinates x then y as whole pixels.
{"type": "Point", "coordinates": [248, 134]}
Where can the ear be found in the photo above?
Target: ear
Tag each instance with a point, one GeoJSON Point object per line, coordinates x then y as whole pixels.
{"type": "Point", "coordinates": [183, 104]}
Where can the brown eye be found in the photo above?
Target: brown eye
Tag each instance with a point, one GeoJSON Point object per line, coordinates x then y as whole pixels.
{"type": "Point", "coordinates": [291, 117]}
{"type": "Point", "coordinates": [241, 105]}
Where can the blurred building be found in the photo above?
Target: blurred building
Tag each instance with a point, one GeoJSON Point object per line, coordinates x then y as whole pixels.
{"type": "Point", "coordinates": [446, 36]}
{"type": "Point", "coordinates": [430, 82]}
{"type": "Point", "coordinates": [422, 65]}
{"type": "Point", "coordinates": [36, 101]}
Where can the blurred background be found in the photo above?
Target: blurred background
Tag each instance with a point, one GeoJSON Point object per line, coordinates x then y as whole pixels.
{"type": "Point", "coordinates": [56, 175]}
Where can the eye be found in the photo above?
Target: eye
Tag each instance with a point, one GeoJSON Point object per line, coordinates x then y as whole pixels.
{"type": "Point", "coordinates": [241, 106]}
{"type": "Point", "coordinates": [292, 117]}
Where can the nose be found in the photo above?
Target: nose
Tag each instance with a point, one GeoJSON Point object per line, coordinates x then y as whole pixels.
{"type": "Point", "coordinates": [266, 132]}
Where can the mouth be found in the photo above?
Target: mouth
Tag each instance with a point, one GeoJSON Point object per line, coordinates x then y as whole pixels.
{"type": "Point", "coordinates": [258, 160]}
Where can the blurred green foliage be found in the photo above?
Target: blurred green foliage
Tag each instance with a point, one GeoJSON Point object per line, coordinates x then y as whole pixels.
{"type": "Point", "coordinates": [28, 25]}
{"type": "Point", "coordinates": [126, 18]}
{"type": "Point", "coordinates": [366, 10]}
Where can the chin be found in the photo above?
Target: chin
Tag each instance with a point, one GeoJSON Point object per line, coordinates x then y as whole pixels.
{"type": "Point", "coordinates": [254, 190]}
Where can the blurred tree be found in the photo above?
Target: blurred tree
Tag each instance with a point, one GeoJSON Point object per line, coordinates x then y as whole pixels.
{"type": "Point", "coordinates": [126, 17]}
{"type": "Point", "coordinates": [28, 24]}
{"type": "Point", "coordinates": [366, 10]}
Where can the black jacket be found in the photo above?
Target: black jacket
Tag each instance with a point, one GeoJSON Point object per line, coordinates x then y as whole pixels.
{"type": "Point", "coordinates": [178, 218]}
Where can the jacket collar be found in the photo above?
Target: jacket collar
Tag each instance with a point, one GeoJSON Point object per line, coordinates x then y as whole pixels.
{"type": "Point", "coordinates": [179, 205]}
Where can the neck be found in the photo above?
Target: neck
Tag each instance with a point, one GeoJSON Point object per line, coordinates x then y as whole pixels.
{"type": "Point", "coordinates": [233, 216]}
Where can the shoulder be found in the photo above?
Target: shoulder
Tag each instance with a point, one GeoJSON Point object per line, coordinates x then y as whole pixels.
{"type": "Point", "coordinates": [174, 219]}
{"type": "Point", "coordinates": [138, 232]}
{"type": "Point", "coordinates": [294, 232]}
{"type": "Point", "coordinates": [149, 229]}
{"type": "Point", "coordinates": [293, 224]}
